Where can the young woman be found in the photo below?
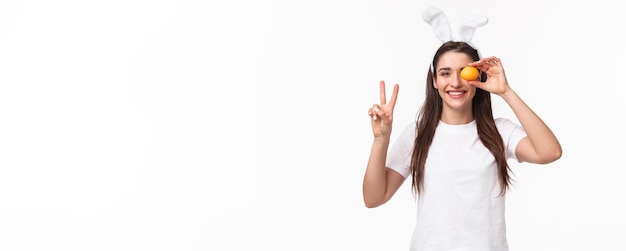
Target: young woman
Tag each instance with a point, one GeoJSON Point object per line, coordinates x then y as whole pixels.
{"type": "Point", "coordinates": [456, 153]}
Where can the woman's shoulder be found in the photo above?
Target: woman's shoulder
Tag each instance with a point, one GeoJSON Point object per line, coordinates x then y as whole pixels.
{"type": "Point", "coordinates": [502, 121]}
{"type": "Point", "coordinates": [408, 129]}
{"type": "Point", "coordinates": [506, 124]}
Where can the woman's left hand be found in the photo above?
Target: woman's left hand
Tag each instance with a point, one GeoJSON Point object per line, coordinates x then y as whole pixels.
{"type": "Point", "coordinates": [496, 82]}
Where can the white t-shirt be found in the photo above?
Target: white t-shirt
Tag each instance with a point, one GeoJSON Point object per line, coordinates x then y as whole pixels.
{"type": "Point", "coordinates": [459, 207]}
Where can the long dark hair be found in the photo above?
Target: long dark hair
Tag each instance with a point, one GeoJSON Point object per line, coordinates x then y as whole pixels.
{"type": "Point", "coordinates": [430, 114]}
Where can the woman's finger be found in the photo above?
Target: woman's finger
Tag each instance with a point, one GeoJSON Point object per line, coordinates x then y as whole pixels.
{"type": "Point", "coordinates": [370, 112]}
{"type": "Point", "coordinates": [394, 96]}
{"type": "Point", "coordinates": [375, 111]}
{"type": "Point", "coordinates": [383, 96]}
{"type": "Point", "coordinates": [378, 111]}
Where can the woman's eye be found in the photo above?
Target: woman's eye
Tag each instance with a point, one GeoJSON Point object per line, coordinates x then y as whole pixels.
{"type": "Point", "coordinates": [444, 74]}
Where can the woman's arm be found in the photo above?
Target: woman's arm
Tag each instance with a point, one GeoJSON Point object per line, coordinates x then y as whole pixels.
{"type": "Point", "coordinates": [380, 182]}
{"type": "Point", "coordinates": [541, 145]}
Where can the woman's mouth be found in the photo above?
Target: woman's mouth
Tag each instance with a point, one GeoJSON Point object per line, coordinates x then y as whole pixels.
{"type": "Point", "coordinates": [456, 94]}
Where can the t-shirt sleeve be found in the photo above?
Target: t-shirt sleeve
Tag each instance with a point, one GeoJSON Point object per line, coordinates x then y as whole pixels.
{"type": "Point", "coordinates": [399, 155]}
{"type": "Point", "coordinates": [511, 134]}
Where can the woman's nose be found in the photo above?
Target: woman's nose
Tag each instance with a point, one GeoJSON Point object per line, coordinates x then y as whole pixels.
{"type": "Point", "coordinates": [456, 81]}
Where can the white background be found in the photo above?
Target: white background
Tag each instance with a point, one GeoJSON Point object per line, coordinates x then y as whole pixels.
{"type": "Point", "coordinates": [242, 125]}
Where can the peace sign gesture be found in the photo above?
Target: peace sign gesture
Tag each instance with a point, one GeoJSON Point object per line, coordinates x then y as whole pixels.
{"type": "Point", "coordinates": [382, 114]}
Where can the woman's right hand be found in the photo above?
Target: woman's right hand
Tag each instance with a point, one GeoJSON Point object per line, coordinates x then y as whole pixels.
{"type": "Point", "coordinates": [381, 114]}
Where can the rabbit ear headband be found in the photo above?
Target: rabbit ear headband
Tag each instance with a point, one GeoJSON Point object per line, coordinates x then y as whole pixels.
{"type": "Point", "coordinates": [437, 19]}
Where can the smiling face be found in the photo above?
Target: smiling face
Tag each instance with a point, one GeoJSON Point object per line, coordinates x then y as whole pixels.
{"type": "Point", "coordinates": [455, 92]}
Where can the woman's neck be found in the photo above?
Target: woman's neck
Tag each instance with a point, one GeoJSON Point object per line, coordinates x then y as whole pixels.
{"type": "Point", "coordinates": [457, 117]}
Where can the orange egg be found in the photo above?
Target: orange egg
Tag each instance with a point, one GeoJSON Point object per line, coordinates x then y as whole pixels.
{"type": "Point", "coordinates": [469, 73]}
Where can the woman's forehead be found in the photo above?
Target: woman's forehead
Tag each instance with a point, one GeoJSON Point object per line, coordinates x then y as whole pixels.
{"type": "Point", "coordinates": [453, 59]}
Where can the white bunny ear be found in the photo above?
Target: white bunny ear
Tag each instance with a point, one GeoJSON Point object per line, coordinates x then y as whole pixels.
{"type": "Point", "coordinates": [469, 25]}
{"type": "Point", "coordinates": [439, 22]}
